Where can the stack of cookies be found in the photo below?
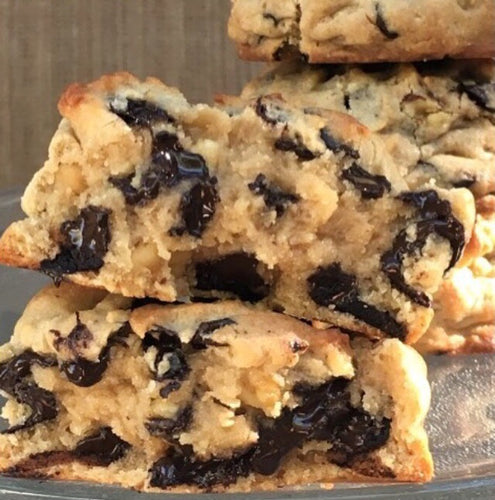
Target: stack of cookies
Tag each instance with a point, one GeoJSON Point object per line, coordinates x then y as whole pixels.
{"type": "Point", "coordinates": [235, 287]}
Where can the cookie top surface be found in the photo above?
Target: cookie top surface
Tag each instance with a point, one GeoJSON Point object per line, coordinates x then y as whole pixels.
{"type": "Point", "coordinates": [436, 117]}
{"type": "Point", "coordinates": [363, 31]}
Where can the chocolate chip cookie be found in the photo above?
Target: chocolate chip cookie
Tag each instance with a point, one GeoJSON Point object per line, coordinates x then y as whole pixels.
{"type": "Point", "coordinates": [144, 194]}
{"type": "Point", "coordinates": [439, 119]}
{"type": "Point", "coordinates": [202, 397]}
{"type": "Point", "coordinates": [363, 30]}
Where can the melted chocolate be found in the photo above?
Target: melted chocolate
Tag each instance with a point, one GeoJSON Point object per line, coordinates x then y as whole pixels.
{"type": "Point", "coordinates": [78, 338]}
{"type": "Point", "coordinates": [200, 338]}
{"type": "Point", "coordinates": [296, 146]}
{"type": "Point", "coordinates": [172, 386]}
{"type": "Point", "coordinates": [437, 218]}
{"type": "Point", "coordinates": [275, 20]}
{"type": "Point", "coordinates": [84, 243]}
{"type": "Point", "coordinates": [467, 182]}
{"type": "Point", "coordinates": [382, 24]}
{"type": "Point", "coordinates": [482, 95]}
{"type": "Point", "coordinates": [270, 114]}
{"type": "Point", "coordinates": [287, 51]}
{"type": "Point", "coordinates": [101, 448]}
{"type": "Point", "coordinates": [141, 113]}
{"type": "Point", "coordinates": [370, 186]}
{"type": "Point", "coordinates": [178, 468]}
{"type": "Point", "coordinates": [325, 414]}
{"type": "Point", "coordinates": [170, 164]}
{"type": "Point", "coordinates": [85, 373]}
{"type": "Point", "coordinates": [273, 196]}
{"type": "Point", "coordinates": [335, 146]}
{"type": "Point", "coordinates": [358, 433]}
{"type": "Point", "coordinates": [169, 347]}
{"type": "Point", "coordinates": [198, 206]}
{"type": "Point", "coordinates": [331, 286]}
{"type": "Point", "coordinates": [236, 273]}
{"type": "Point", "coordinates": [12, 381]}
{"type": "Point", "coordinates": [170, 428]}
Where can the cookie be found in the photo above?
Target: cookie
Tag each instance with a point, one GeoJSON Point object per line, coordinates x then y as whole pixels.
{"type": "Point", "coordinates": [144, 194]}
{"type": "Point", "coordinates": [438, 119]}
{"type": "Point", "coordinates": [336, 31]}
{"type": "Point", "coordinates": [198, 397]}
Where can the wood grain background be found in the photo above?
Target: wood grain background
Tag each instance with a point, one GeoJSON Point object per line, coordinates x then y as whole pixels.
{"type": "Point", "coordinates": [47, 44]}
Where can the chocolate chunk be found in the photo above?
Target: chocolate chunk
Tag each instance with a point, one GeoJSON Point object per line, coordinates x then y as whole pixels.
{"type": "Point", "coordinates": [101, 448]}
{"type": "Point", "coordinates": [331, 286]}
{"type": "Point", "coordinates": [325, 414]}
{"type": "Point", "coordinates": [273, 196]}
{"type": "Point", "coordinates": [261, 111]}
{"type": "Point", "coordinates": [275, 20]}
{"type": "Point", "coordinates": [180, 164]}
{"type": "Point", "coordinates": [169, 348]}
{"type": "Point", "coordinates": [162, 338]}
{"type": "Point", "coordinates": [170, 164]}
{"type": "Point", "coordinates": [293, 427]}
{"type": "Point", "coordinates": [370, 186]}
{"type": "Point", "coordinates": [298, 346]}
{"type": "Point", "coordinates": [171, 428]}
{"type": "Point", "coordinates": [236, 273]}
{"type": "Point", "coordinates": [85, 373]}
{"type": "Point", "coordinates": [178, 468]}
{"type": "Point", "coordinates": [85, 242]}
{"type": "Point", "coordinates": [269, 112]}
{"type": "Point", "coordinates": [296, 146]}
{"type": "Point", "coordinates": [200, 338]}
{"type": "Point", "coordinates": [436, 218]}
{"type": "Point", "coordinates": [483, 95]}
{"type": "Point", "coordinates": [132, 195]}
{"type": "Point", "coordinates": [141, 113]}
{"type": "Point", "coordinates": [12, 381]}
{"type": "Point", "coordinates": [358, 433]}
{"type": "Point", "coordinates": [198, 207]}
{"type": "Point", "coordinates": [382, 25]}
{"type": "Point", "coordinates": [287, 51]}
{"type": "Point", "coordinates": [347, 102]}
{"type": "Point", "coordinates": [337, 147]}
{"type": "Point", "coordinates": [172, 386]}
{"type": "Point", "coordinates": [467, 182]}
{"type": "Point", "coordinates": [78, 338]}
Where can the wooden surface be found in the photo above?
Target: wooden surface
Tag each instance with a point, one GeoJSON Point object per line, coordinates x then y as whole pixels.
{"type": "Point", "coordinates": [47, 44]}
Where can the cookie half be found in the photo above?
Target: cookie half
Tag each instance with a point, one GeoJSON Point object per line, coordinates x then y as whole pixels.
{"type": "Point", "coordinates": [144, 194]}
{"type": "Point", "coordinates": [438, 119]}
{"type": "Point", "coordinates": [201, 397]}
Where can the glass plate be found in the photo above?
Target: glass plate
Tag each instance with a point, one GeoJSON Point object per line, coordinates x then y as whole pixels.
{"type": "Point", "coordinates": [461, 423]}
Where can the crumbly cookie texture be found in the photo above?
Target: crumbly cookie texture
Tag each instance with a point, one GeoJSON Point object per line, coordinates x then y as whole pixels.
{"type": "Point", "coordinates": [438, 119]}
{"type": "Point", "coordinates": [146, 195]}
{"type": "Point", "coordinates": [212, 396]}
{"type": "Point", "coordinates": [338, 31]}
